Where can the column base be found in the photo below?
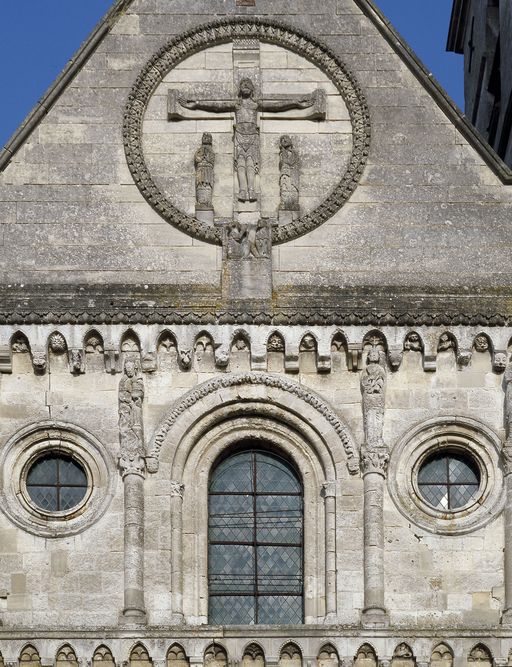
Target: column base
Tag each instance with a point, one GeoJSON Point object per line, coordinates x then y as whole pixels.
{"type": "Point", "coordinates": [331, 619]}
{"type": "Point", "coordinates": [374, 617]}
{"type": "Point", "coordinates": [134, 617]}
{"type": "Point", "coordinates": [506, 617]}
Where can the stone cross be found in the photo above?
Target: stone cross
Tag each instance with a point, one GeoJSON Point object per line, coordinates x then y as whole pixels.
{"type": "Point", "coordinates": [247, 106]}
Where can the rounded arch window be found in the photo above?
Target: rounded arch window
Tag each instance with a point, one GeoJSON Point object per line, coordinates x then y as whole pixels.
{"type": "Point", "coordinates": [56, 482]}
{"type": "Point", "coordinates": [449, 480]}
{"type": "Point", "coordinates": [255, 556]}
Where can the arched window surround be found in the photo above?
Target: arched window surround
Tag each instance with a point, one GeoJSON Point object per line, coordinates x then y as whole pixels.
{"type": "Point", "coordinates": [196, 476]}
{"type": "Point", "coordinates": [185, 444]}
{"type": "Point", "coordinates": [295, 421]}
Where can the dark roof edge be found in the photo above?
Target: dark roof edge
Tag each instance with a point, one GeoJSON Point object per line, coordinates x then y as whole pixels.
{"type": "Point", "coordinates": [457, 30]}
{"type": "Point", "coordinates": [76, 63]}
{"type": "Point", "coordinates": [445, 103]}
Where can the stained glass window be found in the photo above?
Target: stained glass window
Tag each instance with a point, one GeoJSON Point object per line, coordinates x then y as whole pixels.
{"type": "Point", "coordinates": [255, 559]}
{"type": "Point", "coordinates": [56, 482]}
{"type": "Point", "coordinates": [449, 480]}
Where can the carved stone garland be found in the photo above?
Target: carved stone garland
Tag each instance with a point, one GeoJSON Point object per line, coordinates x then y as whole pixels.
{"type": "Point", "coordinates": [220, 32]}
{"type": "Point", "coordinates": [203, 390]}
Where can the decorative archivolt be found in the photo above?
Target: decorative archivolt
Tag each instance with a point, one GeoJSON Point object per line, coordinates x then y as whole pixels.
{"type": "Point", "coordinates": [305, 397]}
{"type": "Point", "coordinates": [193, 346]}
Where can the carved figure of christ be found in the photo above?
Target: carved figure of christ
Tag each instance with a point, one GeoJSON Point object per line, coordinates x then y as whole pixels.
{"type": "Point", "coordinates": [246, 108]}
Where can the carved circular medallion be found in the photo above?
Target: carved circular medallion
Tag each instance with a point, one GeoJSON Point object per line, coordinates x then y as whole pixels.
{"type": "Point", "coordinates": [296, 83]}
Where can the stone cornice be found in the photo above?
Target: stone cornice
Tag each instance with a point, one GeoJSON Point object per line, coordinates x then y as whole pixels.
{"type": "Point", "coordinates": [168, 304]}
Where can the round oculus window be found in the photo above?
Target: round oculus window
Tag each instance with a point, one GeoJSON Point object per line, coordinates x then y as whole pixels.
{"type": "Point", "coordinates": [449, 480]}
{"type": "Point", "coordinates": [56, 482]}
{"type": "Point", "coordinates": [445, 476]}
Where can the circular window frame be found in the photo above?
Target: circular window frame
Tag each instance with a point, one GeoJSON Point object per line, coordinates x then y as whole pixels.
{"type": "Point", "coordinates": [447, 434]}
{"type": "Point", "coordinates": [24, 448]}
{"type": "Point", "coordinates": [59, 450]}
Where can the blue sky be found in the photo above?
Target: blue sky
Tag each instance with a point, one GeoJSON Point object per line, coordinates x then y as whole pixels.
{"type": "Point", "coordinates": [39, 36]}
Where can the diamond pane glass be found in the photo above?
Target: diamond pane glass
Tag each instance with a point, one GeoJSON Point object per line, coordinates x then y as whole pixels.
{"type": "Point", "coordinates": [250, 528]}
{"type": "Point", "coordinates": [279, 519]}
{"type": "Point", "coordinates": [231, 518]}
{"type": "Point", "coordinates": [70, 496]}
{"type": "Point", "coordinates": [44, 497]}
{"type": "Point", "coordinates": [231, 568]}
{"type": "Point", "coordinates": [232, 609]}
{"type": "Point", "coordinates": [70, 472]}
{"type": "Point", "coordinates": [285, 609]}
{"type": "Point", "coordinates": [233, 475]}
{"type": "Point", "coordinates": [462, 494]}
{"type": "Point", "coordinates": [461, 472]}
{"type": "Point", "coordinates": [434, 471]}
{"type": "Point", "coordinates": [436, 495]}
{"type": "Point", "coordinates": [275, 475]}
{"type": "Point", "coordinates": [43, 471]}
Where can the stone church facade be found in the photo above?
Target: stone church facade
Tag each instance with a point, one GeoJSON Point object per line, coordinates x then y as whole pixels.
{"type": "Point", "coordinates": [255, 334]}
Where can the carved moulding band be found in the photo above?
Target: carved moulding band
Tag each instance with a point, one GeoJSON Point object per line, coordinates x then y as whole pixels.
{"type": "Point", "coordinates": [221, 32]}
{"type": "Point", "coordinates": [272, 381]}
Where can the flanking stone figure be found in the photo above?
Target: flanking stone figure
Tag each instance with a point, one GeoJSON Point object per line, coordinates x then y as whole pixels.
{"type": "Point", "coordinates": [289, 178]}
{"type": "Point", "coordinates": [373, 387]}
{"type": "Point", "coordinates": [131, 396]}
{"type": "Point", "coordinates": [204, 162]}
{"type": "Point", "coordinates": [246, 107]}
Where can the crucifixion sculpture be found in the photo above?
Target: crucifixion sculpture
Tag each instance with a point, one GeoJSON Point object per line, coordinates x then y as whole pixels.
{"type": "Point", "coordinates": [246, 106]}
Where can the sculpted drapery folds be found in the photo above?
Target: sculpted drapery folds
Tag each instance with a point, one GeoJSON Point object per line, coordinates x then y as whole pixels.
{"type": "Point", "coordinates": [131, 435]}
{"type": "Point", "coordinates": [374, 454]}
{"type": "Point", "coordinates": [289, 168]}
{"type": "Point", "coordinates": [204, 161]}
{"type": "Point", "coordinates": [246, 137]}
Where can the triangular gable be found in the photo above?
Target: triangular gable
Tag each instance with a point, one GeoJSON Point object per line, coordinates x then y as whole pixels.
{"type": "Point", "coordinates": [393, 38]}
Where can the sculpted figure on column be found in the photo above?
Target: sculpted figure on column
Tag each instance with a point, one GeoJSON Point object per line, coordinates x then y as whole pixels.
{"type": "Point", "coordinates": [375, 454]}
{"type": "Point", "coordinates": [507, 379]}
{"type": "Point", "coordinates": [131, 396]}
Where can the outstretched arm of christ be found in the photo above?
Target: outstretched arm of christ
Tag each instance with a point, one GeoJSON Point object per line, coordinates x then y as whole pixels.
{"type": "Point", "coordinates": [270, 104]}
{"type": "Point", "coordinates": [216, 106]}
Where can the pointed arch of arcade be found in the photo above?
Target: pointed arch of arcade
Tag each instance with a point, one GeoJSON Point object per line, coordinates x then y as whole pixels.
{"type": "Point", "coordinates": [213, 419]}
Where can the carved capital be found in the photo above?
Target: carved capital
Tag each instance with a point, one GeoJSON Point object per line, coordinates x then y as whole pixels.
{"type": "Point", "coordinates": [329, 489]}
{"type": "Point", "coordinates": [374, 460]}
{"type": "Point", "coordinates": [132, 466]}
{"type": "Point", "coordinates": [176, 489]}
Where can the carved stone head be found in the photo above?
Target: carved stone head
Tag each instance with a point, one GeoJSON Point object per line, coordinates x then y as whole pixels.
{"type": "Point", "coordinates": [373, 356]}
{"type": "Point", "coordinates": [246, 88]}
{"type": "Point", "coordinates": [481, 343]}
{"type": "Point", "coordinates": [207, 139]}
{"type": "Point", "coordinates": [500, 361]}
{"type": "Point", "coordinates": [130, 368]}
{"type": "Point", "coordinates": [286, 142]}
